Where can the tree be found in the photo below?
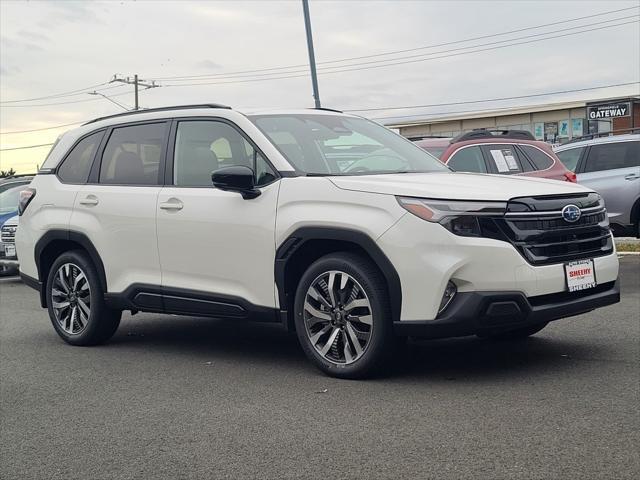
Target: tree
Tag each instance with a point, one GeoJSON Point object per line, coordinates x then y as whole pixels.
{"type": "Point", "coordinates": [7, 173]}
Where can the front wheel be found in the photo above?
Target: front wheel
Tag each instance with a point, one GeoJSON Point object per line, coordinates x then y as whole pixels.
{"type": "Point", "coordinates": [342, 316]}
{"type": "Point", "coordinates": [75, 300]}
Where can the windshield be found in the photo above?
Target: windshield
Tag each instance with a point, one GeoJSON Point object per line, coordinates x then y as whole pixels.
{"type": "Point", "coordinates": [9, 199]}
{"type": "Point", "coordinates": [340, 145]}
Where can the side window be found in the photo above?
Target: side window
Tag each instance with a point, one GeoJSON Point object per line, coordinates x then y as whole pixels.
{"type": "Point", "coordinates": [504, 159]}
{"type": "Point", "coordinates": [540, 160]}
{"type": "Point", "coordinates": [468, 159]}
{"type": "Point", "coordinates": [203, 146]}
{"type": "Point", "coordinates": [570, 157]}
{"type": "Point", "coordinates": [75, 167]}
{"type": "Point", "coordinates": [132, 155]}
{"type": "Point", "coordinates": [609, 156]}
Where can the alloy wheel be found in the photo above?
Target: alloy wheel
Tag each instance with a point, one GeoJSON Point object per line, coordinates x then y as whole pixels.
{"type": "Point", "coordinates": [71, 298]}
{"type": "Point", "coordinates": [338, 317]}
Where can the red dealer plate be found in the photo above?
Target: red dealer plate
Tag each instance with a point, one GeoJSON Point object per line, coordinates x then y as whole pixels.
{"type": "Point", "coordinates": [580, 275]}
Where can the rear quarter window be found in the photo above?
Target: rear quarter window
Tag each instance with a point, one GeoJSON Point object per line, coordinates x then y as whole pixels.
{"type": "Point", "coordinates": [570, 157]}
{"type": "Point", "coordinates": [540, 160]}
{"type": "Point", "coordinates": [77, 164]}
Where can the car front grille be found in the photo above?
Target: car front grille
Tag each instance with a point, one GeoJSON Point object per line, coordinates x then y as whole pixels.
{"type": "Point", "coordinates": [8, 234]}
{"type": "Point", "coordinates": [537, 229]}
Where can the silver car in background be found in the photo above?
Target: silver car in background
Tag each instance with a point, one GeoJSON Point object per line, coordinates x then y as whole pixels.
{"type": "Point", "coordinates": [610, 166]}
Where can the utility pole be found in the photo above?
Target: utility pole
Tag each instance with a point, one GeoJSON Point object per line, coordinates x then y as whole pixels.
{"type": "Point", "coordinates": [136, 83]}
{"type": "Point", "coordinates": [312, 57]}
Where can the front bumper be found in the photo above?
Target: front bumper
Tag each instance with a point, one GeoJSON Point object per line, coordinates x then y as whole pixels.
{"type": "Point", "coordinates": [473, 313]}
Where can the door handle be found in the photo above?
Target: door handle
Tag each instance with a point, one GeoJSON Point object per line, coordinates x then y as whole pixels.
{"type": "Point", "coordinates": [172, 204]}
{"type": "Point", "coordinates": [632, 176]}
{"type": "Point", "coordinates": [89, 200]}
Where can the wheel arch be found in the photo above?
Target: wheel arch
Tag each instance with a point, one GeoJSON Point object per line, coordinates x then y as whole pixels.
{"type": "Point", "coordinates": [635, 216]}
{"type": "Point", "coordinates": [307, 244]}
{"type": "Point", "coordinates": [55, 242]}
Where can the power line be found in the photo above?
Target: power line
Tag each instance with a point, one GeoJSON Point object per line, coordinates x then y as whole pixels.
{"type": "Point", "coordinates": [62, 103]}
{"type": "Point", "coordinates": [222, 74]}
{"type": "Point", "coordinates": [71, 93]}
{"type": "Point", "coordinates": [28, 146]}
{"type": "Point", "coordinates": [42, 129]}
{"type": "Point", "coordinates": [486, 100]}
{"type": "Point", "coordinates": [394, 63]}
{"type": "Point", "coordinates": [375, 62]}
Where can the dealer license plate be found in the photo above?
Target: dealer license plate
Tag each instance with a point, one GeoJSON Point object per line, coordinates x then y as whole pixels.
{"type": "Point", "coordinates": [10, 250]}
{"type": "Point", "coordinates": [580, 275]}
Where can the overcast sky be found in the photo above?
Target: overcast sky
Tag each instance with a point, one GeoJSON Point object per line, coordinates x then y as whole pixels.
{"type": "Point", "coordinates": [52, 47]}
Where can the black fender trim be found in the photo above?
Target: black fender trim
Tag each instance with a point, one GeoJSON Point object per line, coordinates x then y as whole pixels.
{"type": "Point", "coordinates": [180, 301]}
{"type": "Point", "coordinates": [304, 234]}
{"type": "Point", "coordinates": [68, 235]}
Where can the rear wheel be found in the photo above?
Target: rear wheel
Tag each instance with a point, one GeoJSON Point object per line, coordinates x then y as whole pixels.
{"type": "Point", "coordinates": [342, 316]}
{"type": "Point", "coordinates": [75, 301]}
{"type": "Point", "coordinates": [517, 334]}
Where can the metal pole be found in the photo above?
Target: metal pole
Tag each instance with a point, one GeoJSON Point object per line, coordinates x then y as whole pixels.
{"type": "Point", "coordinates": [312, 57]}
{"type": "Point", "coordinates": [135, 82]}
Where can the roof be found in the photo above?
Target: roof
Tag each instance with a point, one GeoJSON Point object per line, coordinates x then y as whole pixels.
{"type": "Point", "coordinates": [592, 141]}
{"type": "Point", "coordinates": [499, 112]}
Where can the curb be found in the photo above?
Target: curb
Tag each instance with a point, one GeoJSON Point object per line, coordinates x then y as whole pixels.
{"type": "Point", "coordinates": [621, 254]}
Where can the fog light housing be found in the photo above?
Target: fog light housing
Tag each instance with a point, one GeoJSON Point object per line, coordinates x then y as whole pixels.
{"type": "Point", "coordinates": [448, 295]}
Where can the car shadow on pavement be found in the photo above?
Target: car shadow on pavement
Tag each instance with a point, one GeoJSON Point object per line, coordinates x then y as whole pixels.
{"type": "Point", "coordinates": [467, 358]}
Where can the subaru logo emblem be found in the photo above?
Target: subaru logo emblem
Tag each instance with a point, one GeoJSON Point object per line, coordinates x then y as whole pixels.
{"type": "Point", "coordinates": [571, 213]}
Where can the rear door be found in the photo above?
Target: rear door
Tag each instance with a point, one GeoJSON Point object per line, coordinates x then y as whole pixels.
{"type": "Point", "coordinates": [504, 159]}
{"type": "Point", "coordinates": [117, 208]}
{"type": "Point", "coordinates": [613, 170]}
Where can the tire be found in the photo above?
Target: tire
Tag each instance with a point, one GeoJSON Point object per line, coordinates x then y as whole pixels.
{"type": "Point", "coordinates": [517, 334]}
{"type": "Point", "coordinates": [322, 317]}
{"type": "Point", "coordinates": [74, 287]}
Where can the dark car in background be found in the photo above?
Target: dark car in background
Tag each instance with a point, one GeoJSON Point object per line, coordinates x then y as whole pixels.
{"type": "Point", "coordinates": [504, 152]}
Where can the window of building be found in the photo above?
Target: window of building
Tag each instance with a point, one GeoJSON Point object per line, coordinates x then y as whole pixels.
{"type": "Point", "coordinates": [205, 146]}
{"type": "Point", "coordinates": [132, 155]}
{"type": "Point", "coordinates": [75, 168]}
{"type": "Point", "coordinates": [468, 159]}
{"type": "Point", "coordinates": [540, 160]}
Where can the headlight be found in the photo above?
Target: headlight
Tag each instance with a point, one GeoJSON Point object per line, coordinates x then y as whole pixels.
{"type": "Point", "coordinates": [458, 216]}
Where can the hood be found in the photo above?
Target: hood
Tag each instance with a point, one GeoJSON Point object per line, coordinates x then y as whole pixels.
{"type": "Point", "coordinates": [456, 186]}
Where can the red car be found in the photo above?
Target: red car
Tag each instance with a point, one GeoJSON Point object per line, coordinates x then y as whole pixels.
{"type": "Point", "coordinates": [507, 152]}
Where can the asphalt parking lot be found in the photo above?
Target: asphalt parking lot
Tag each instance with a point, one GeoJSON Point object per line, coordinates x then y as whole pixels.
{"type": "Point", "coordinates": [174, 397]}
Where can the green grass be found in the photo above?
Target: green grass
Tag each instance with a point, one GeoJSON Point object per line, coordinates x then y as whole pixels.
{"type": "Point", "coordinates": [628, 247]}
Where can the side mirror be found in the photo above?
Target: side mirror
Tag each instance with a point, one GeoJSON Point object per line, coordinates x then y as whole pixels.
{"type": "Point", "coordinates": [237, 178]}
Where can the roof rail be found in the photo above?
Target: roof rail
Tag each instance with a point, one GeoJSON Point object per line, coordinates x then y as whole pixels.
{"type": "Point", "coordinates": [425, 137]}
{"type": "Point", "coordinates": [327, 109]}
{"type": "Point", "coordinates": [17, 175]}
{"type": "Point", "coordinates": [159, 109]}
{"type": "Point", "coordinates": [591, 136]}
{"type": "Point", "coordinates": [483, 133]}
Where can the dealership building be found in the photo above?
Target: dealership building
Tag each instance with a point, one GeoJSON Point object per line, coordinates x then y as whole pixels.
{"type": "Point", "coordinates": [553, 122]}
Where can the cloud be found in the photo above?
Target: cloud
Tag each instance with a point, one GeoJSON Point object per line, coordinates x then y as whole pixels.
{"type": "Point", "coordinates": [208, 65]}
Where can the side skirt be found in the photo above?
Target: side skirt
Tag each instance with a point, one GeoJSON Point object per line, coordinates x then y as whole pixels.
{"type": "Point", "coordinates": [178, 301]}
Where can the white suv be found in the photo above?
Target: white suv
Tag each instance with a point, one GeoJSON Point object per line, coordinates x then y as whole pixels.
{"type": "Point", "coordinates": [326, 222]}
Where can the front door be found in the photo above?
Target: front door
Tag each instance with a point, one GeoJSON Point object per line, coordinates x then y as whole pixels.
{"type": "Point", "coordinates": [217, 250]}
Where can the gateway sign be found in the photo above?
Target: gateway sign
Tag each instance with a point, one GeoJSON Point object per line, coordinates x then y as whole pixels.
{"type": "Point", "coordinates": [609, 111]}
